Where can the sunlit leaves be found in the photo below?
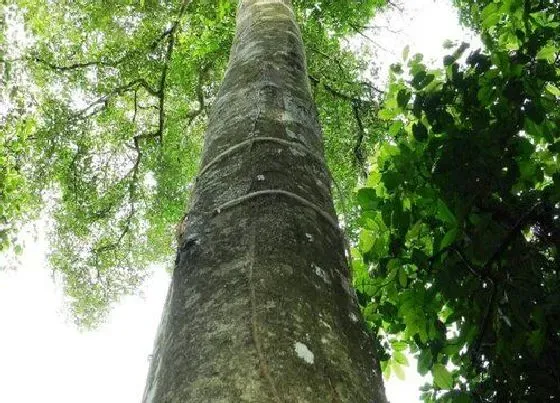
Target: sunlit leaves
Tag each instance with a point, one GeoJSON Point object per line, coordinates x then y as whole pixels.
{"type": "Point", "coordinates": [442, 377]}
{"type": "Point", "coordinates": [122, 95]}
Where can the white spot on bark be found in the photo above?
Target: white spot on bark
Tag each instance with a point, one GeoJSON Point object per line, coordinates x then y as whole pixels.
{"type": "Point", "coordinates": [260, 178]}
{"type": "Point", "coordinates": [291, 134]}
{"type": "Point", "coordinates": [304, 353]}
{"type": "Point", "coordinates": [296, 152]}
{"type": "Point", "coordinates": [297, 318]}
{"type": "Point", "coordinates": [326, 324]}
{"type": "Point", "coordinates": [324, 340]}
{"type": "Point", "coordinates": [321, 273]}
{"type": "Point", "coordinates": [309, 237]}
{"type": "Point", "coordinates": [353, 317]}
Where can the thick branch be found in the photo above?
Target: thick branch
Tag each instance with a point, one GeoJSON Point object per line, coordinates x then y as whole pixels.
{"type": "Point", "coordinates": [168, 57]}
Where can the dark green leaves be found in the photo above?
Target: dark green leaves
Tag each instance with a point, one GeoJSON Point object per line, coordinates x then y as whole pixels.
{"type": "Point", "coordinates": [470, 203]}
{"type": "Point", "coordinates": [403, 97]}
{"type": "Point", "coordinates": [420, 132]}
{"type": "Point", "coordinates": [422, 79]}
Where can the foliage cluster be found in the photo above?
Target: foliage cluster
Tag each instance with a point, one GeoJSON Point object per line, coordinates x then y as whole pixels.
{"type": "Point", "coordinates": [457, 259]}
{"type": "Point", "coordinates": [107, 107]}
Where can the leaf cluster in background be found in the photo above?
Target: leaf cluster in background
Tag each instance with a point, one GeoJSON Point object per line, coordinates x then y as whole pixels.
{"type": "Point", "coordinates": [458, 248]}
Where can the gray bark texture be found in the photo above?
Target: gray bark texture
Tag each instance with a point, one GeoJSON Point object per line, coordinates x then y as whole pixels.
{"type": "Point", "coordinates": [260, 308]}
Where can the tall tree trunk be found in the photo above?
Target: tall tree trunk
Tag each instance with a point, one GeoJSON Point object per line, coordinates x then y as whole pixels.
{"type": "Point", "coordinates": [260, 308]}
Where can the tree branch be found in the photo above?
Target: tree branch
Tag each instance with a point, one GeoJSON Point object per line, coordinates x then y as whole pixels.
{"type": "Point", "coordinates": [167, 60]}
{"type": "Point", "coordinates": [132, 85]}
{"type": "Point", "coordinates": [361, 134]}
{"type": "Point", "coordinates": [510, 237]}
{"type": "Point", "coordinates": [191, 115]}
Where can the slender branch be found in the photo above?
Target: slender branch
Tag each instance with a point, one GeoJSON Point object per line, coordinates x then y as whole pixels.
{"type": "Point", "coordinates": [359, 28]}
{"type": "Point", "coordinates": [480, 274]}
{"type": "Point", "coordinates": [485, 322]}
{"type": "Point", "coordinates": [372, 87]}
{"type": "Point", "coordinates": [396, 6]}
{"type": "Point", "coordinates": [78, 65]}
{"type": "Point", "coordinates": [366, 37]}
{"type": "Point", "coordinates": [167, 61]}
{"type": "Point", "coordinates": [104, 63]}
{"type": "Point", "coordinates": [361, 134]}
{"type": "Point", "coordinates": [328, 57]}
{"type": "Point", "coordinates": [332, 90]}
{"type": "Point", "coordinates": [510, 237]}
{"type": "Point", "coordinates": [132, 186]}
{"type": "Point", "coordinates": [133, 85]}
{"type": "Point", "coordinates": [135, 107]}
{"type": "Point", "coordinates": [485, 273]}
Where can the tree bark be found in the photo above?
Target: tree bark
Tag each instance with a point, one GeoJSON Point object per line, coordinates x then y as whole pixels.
{"type": "Point", "coordinates": [260, 308]}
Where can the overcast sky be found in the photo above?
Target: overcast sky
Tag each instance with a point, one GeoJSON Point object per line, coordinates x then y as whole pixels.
{"type": "Point", "coordinates": [44, 358]}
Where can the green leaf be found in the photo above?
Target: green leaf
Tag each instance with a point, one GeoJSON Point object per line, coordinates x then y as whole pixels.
{"type": "Point", "coordinates": [398, 370]}
{"type": "Point", "coordinates": [554, 90]}
{"type": "Point", "coordinates": [443, 213]}
{"type": "Point", "coordinates": [420, 132]}
{"type": "Point", "coordinates": [405, 52]}
{"type": "Point", "coordinates": [422, 79]}
{"type": "Point", "coordinates": [387, 114]}
{"type": "Point", "coordinates": [403, 97]}
{"type": "Point", "coordinates": [424, 363]}
{"type": "Point", "coordinates": [366, 240]}
{"type": "Point", "coordinates": [18, 250]}
{"type": "Point", "coordinates": [403, 278]}
{"type": "Point", "coordinates": [387, 370]}
{"type": "Point", "coordinates": [448, 238]}
{"type": "Point", "coordinates": [442, 377]}
{"type": "Point", "coordinates": [547, 53]}
{"type": "Point", "coordinates": [399, 345]}
{"type": "Point", "coordinates": [400, 357]}
{"type": "Point", "coordinates": [490, 15]}
{"type": "Point", "coordinates": [396, 127]}
{"type": "Point", "coordinates": [367, 198]}
{"type": "Point", "coordinates": [536, 342]}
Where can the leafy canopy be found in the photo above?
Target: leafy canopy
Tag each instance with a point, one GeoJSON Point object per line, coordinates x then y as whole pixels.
{"type": "Point", "coordinates": [107, 109]}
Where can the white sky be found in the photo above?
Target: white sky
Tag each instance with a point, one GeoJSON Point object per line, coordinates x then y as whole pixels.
{"type": "Point", "coordinates": [43, 358]}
